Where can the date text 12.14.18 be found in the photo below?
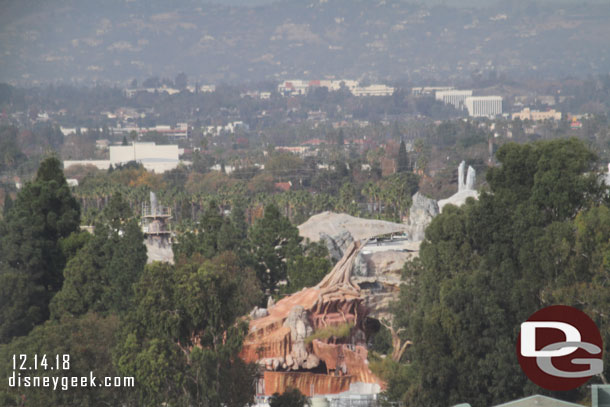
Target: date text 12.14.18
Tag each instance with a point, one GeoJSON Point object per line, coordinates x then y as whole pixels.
{"type": "Point", "coordinates": [41, 362]}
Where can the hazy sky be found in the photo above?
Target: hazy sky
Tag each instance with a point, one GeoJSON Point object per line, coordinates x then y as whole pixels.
{"type": "Point", "coordinates": [429, 2]}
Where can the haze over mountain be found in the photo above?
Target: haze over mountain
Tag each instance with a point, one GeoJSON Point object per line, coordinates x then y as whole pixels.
{"type": "Point", "coordinates": [384, 40]}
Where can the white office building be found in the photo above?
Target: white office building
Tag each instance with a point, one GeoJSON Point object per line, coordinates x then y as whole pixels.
{"type": "Point", "coordinates": [484, 106]}
{"type": "Point", "coordinates": [453, 97]}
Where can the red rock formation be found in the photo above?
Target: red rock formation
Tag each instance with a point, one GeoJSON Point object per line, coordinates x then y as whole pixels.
{"type": "Point", "coordinates": [278, 382]}
{"type": "Point", "coordinates": [329, 365]}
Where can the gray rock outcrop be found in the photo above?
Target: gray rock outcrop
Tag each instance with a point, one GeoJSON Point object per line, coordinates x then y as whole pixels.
{"type": "Point", "coordinates": [300, 329]}
{"type": "Point", "coordinates": [471, 178]}
{"type": "Point", "coordinates": [344, 229]}
{"type": "Point", "coordinates": [337, 244]}
{"type": "Point", "coordinates": [467, 183]}
{"type": "Point", "coordinates": [422, 211]}
{"type": "Point", "coordinates": [258, 313]}
{"type": "Point", "coordinates": [461, 183]}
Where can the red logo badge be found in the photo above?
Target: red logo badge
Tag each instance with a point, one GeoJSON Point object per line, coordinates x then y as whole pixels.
{"type": "Point", "coordinates": [560, 348]}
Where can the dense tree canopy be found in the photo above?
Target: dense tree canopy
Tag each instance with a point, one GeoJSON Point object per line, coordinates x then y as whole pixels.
{"type": "Point", "coordinates": [182, 336]}
{"type": "Point", "coordinates": [307, 269]}
{"type": "Point", "coordinates": [32, 262]}
{"type": "Point", "coordinates": [88, 340]}
{"type": "Point", "coordinates": [290, 398]}
{"type": "Point", "coordinates": [486, 266]}
{"type": "Point", "coordinates": [100, 276]}
{"type": "Point", "coordinates": [273, 240]}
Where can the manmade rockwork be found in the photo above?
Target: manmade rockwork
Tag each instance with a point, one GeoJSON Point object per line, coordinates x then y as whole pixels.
{"type": "Point", "coordinates": [314, 340]}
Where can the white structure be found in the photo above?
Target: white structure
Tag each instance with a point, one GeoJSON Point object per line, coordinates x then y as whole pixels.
{"type": "Point", "coordinates": [466, 183]}
{"type": "Point", "coordinates": [66, 131]}
{"type": "Point", "coordinates": [373, 90]}
{"type": "Point", "coordinates": [484, 106]}
{"type": "Point", "coordinates": [293, 87]}
{"type": "Point", "coordinates": [99, 164]}
{"type": "Point", "coordinates": [228, 128]}
{"type": "Point", "coordinates": [428, 90]}
{"type": "Point", "coordinates": [153, 157]}
{"type": "Point", "coordinates": [163, 89]}
{"type": "Point", "coordinates": [453, 97]}
{"type": "Point", "coordinates": [465, 188]}
{"type": "Point", "coordinates": [301, 87]}
{"type": "Point", "coordinates": [228, 168]}
{"type": "Point", "coordinates": [202, 88]}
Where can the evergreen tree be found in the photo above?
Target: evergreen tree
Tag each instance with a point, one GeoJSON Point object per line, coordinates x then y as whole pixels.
{"type": "Point", "coordinates": [116, 212]}
{"type": "Point", "coordinates": [11, 154]}
{"type": "Point", "coordinates": [227, 238]}
{"type": "Point", "coordinates": [402, 163]}
{"type": "Point", "coordinates": [348, 199]}
{"type": "Point", "coordinates": [31, 258]}
{"type": "Point", "coordinates": [290, 398]}
{"type": "Point", "coordinates": [309, 268]}
{"type": "Point", "coordinates": [8, 204]}
{"type": "Point", "coordinates": [273, 240]}
{"type": "Point", "coordinates": [238, 218]}
{"type": "Point", "coordinates": [99, 277]}
{"type": "Point", "coordinates": [210, 224]}
{"type": "Point", "coordinates": [204, 238]}
{"type": "Point", "coordinates": [340, 138]}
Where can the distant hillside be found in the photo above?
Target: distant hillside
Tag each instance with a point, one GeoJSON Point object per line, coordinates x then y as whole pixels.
{"type": "Point", "coordinates": [388, 40]}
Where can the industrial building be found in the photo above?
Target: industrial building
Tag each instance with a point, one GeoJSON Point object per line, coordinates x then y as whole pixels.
{"type": "Point", "coordinates": [156, 158]}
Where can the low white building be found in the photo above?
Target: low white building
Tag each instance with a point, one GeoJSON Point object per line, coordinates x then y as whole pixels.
{"type": "Point", "coordinates": [335, 85]}
{"type": "Point", "coordinates": [99, 164]}
{"type": "Point", "coordinates": [156, 158]}
{"type": "Point", "coordinates": [66, 131]}
{"type": "Point", "coordinates": [293, 87]}
{"type": "Point", "coordinates": [429, 90]}
{"type": "Point", "coordinates": [131, 92]}
{"type": "Point", "coordinates": [373, 90]}
{"type": "Point", "coordinates": [228, 128]}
